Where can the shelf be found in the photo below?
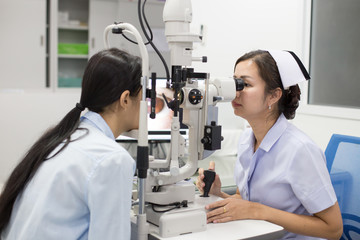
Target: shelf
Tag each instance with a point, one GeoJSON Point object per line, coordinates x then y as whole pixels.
{"type": "Point", "coordinates": [74, 27]}
{"type": "Point", "coordinates": [162, 2]}
{"type": "Point", "coordinates": [69, 82]}
{"type": "Point", "coordinates": [73, 56]}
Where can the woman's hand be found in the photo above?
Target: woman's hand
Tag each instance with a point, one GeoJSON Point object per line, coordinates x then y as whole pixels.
{"type": "Point", "coordinates": [215, 187]}
{"type": "Point", "coordinates": [230, 209]}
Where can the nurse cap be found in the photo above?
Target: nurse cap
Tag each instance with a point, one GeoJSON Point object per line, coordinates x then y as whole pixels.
{"type": "Point", "coordinates": [291, 69]}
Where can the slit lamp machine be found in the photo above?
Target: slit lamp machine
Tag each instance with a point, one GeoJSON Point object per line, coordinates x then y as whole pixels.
{"type": "Point", "coordinates": [166, 199]}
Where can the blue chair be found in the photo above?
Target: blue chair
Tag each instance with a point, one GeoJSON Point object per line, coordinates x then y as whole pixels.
{"type": "Point", "coordinates": [343, 162]}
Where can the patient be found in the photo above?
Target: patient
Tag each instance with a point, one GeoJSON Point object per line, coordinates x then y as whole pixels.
{"type": "Point", "coordinates": [280, 172]}
{"type": "Point", "coordinates": [75, 182]}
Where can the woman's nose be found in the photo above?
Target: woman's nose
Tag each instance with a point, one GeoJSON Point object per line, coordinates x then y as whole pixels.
{"type": "Point", "coordinates": [237, 93]}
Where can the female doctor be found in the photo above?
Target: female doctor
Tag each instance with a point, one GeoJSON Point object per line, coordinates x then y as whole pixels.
{"type": "Point", "coordinates": [75, 182]}
{"type": "Point", "coordinates": [280, 173]}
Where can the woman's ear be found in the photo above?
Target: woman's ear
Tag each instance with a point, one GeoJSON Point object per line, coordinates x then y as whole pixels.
{"type": "Point", "coordinates": [275, 96]}
{"type": "Point", "coordinates": [125, 99]}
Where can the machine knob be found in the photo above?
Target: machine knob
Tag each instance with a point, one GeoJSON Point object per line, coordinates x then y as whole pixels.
{"type": "Point", "coordinates": [205, 140]}
{"type": "Point", "coordinates": [160, 182]}
{"type": "Point", "coordinates": [195, 96]}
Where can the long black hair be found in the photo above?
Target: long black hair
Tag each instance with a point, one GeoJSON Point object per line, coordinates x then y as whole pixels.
{"type": "Point", "coordinates": [107, 75]}
{"type": "Point", "coordinates": [269, 72]}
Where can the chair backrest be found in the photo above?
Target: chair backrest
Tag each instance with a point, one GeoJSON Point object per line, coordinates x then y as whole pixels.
{"type": "Point", "coordinates": [333, 145]}
{"type": "Point", "coordinates": [343, 162]}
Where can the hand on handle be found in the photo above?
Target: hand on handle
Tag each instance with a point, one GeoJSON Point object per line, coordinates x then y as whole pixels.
{"type": "Point", "coordinates": [202, 181]}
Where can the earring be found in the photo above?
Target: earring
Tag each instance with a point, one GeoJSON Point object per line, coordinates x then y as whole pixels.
{"type": "Point", "coordinates": [269, 107]}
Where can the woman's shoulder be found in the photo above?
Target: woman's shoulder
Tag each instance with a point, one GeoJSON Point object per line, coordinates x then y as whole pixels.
{"type": "Point", "coordinates": [299, 143]}
{"type": "Point", "coordinates": [298, 136]}
{"type": "Point", "coordinates": [93, 142]}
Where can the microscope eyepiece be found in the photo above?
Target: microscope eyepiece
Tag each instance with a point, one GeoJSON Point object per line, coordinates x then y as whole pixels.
{"type": "Point", "coordinates": [239, 84]}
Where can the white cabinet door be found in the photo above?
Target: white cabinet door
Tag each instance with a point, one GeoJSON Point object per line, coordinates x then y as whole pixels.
{"type": "Point", "coordinates": [22, 43]}
{"type": "Point", "coordinates": [102, 13]}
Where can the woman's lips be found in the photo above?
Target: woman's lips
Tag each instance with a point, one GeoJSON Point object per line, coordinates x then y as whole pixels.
{"type": "Point", "coordinates": [234, 104]}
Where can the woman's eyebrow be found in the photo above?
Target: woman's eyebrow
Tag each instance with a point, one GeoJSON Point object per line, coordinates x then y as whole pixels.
{"type": "Point", "coordinates": [243, 76]}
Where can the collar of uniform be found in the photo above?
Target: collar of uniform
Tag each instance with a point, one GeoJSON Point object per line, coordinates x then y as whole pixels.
{"type": "Point", "coordinates": [97, 121]}
{"type": "Point", "coordinates": [274, 133]}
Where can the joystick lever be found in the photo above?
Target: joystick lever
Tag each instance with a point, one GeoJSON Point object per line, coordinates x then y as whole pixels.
{"type": "Point", "coordinates": [209, 177]}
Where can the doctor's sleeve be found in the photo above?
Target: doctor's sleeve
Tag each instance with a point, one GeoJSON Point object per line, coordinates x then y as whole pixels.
{"type": "Point", "coordinates": [109, 197]}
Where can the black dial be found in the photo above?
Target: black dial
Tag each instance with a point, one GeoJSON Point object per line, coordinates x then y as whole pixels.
{"type": "Point", "coordinates": [195, 96]}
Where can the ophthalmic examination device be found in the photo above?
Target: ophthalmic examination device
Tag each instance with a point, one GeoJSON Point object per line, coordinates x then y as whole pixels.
{"type": "Point", "coordinates": [165, 197]}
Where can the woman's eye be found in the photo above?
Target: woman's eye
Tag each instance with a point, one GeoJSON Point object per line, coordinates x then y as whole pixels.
{"type": "Point", "coordinates": [246, 84]}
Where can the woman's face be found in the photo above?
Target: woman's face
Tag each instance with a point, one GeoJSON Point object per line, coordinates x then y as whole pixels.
{"type": "Point", "coordinates": [250, 103]}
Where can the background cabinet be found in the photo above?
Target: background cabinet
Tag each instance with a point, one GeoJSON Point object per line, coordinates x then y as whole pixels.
{"type": "Point", "coordinates": [23, 25]}
{"type": "Point", "coordinates": [91, 17]}
{"type": "Point", "coordinates": [81, 25]}
{"type": "Point", "coordinates": [45, 44]}
{"type": "Point", "coordinates": [102, 13]}
{"type": "Point", "coordinates": [72, 45]}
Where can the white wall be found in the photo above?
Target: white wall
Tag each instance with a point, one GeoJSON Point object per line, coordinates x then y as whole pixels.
{"type": "Point", "coordinates": [320, 128]}
{"type": "Point", "coordinates": [239, 27]}
{"type": "Point", "coordinates": [24, 117]}
{"type": "Point", "coordinates": [242, 26]}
